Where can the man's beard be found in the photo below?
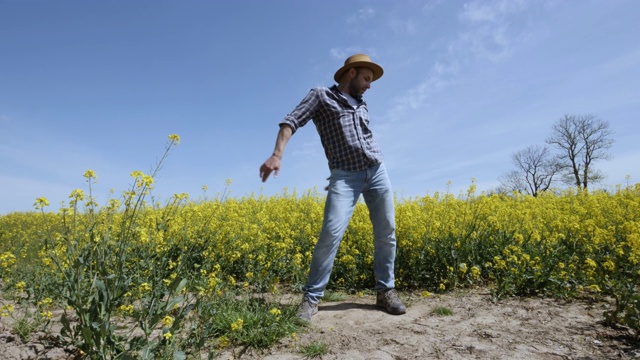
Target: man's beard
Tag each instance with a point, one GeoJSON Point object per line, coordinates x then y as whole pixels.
{"type": "Point", "coordinates": [353, 91]}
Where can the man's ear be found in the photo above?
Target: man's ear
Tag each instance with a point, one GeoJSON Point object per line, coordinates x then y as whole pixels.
{"type": "Point", "coordinates": [352, 73]}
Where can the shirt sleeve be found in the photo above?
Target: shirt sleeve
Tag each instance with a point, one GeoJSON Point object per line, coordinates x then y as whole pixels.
{"type": "Point", "coordinates": [303, 112]}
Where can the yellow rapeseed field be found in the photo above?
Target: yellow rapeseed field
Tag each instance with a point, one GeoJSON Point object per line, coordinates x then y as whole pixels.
{"type": "Point", "coordinates": [554, 243]}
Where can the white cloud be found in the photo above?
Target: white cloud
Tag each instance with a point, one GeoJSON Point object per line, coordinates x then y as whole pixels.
{"type": "Point", "coordinates": [403, 26]}
{"type": "Point", "coordinates": [486, 35]}
{"type": "Point", "coordinates": [416, 97]}
{"type": "Point", "coordinates": [491, 33]}
{"type": "Point", "coordinates": [308, 148]}
{"type": "Point", "coordinates": [441, 68]}
{"type": "Point", "coordinates": [492, 12]}
{"type": "Point", "coordinates": [341, 54]}
{"type": "Point", "coordinates": [486, 43]}
{"type": "Point", "coordinates": [361, 16]}
{"type": "Point", "coordinates": [432, 5]}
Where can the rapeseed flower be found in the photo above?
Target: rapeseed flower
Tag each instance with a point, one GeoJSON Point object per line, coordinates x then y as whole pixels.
{"type": "Point", "coordinates": [475, 272]}
{"type": "Point", "coordinates": [45, 302]}
{"type": "Point", "coordinates": [462, 268]}
{"type": "Point", "coordinates": [77, 195]}
{"type": "Point", "coordinates": [41, 203]}
{"type": "Point", "coordinates": [7, 259]}
{"type": "Point", "coordinates": [127, 309]}
{"type": "Point", "coordinates": [46, 314]}
{"type": "Point", "coordinates": [609, 265]}
{"type": "Point", "coordinates": [594, 288]}
{"type": "Point", "coordinates": [90, 175]}
{"type": "Point", "coordinates": [6, 310]}
{"type": "Point", "coordinates": [275, 311]}
{"type": "Point", "coordinates": [237, 325]}
{"type": "Point", "coordinates": [223, 342]}
{"type": "Point", "coordinates": [167, 321]}
{"type": "Point", "coordinates": [590, 267]}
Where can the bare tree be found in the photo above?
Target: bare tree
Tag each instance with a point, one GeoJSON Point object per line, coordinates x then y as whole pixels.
{"type": "Point", "coordinates": [511, 181]}
{"type": "Point", "coordinates": [582, 140]}
{"type": "Point", "coordinates": [535, 170]}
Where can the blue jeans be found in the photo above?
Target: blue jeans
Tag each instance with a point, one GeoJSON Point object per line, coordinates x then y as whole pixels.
{"type": "Point", "coordinates": [345, 188]}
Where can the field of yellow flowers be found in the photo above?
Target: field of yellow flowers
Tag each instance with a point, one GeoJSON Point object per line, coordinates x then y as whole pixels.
{"type": "Point", "coordinates": [190, 274]}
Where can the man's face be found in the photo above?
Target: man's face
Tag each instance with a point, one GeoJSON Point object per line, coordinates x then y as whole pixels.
{"type": "Point", "coordinates": [361, 82]}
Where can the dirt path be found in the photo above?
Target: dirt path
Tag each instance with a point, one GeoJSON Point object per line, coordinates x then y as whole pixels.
{"type": "Point", "coordinates": [477, 329]}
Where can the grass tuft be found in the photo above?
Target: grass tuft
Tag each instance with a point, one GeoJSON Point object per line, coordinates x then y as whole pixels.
{"type": "Point", "coordinates": [314, 350]}
{"type": "Point", "coordinates": [442, 311]}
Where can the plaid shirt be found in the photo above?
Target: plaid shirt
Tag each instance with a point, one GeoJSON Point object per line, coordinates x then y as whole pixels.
{"type": "Point", "coordinates": [344, 131]}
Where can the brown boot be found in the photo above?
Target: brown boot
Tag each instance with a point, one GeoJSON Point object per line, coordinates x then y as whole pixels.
{"type": "Point", "coordinates": [306, 310]}
{"type": "Point", "coordinates": [389, 300]}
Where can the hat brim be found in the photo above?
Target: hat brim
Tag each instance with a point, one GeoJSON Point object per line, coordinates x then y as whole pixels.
{"type": "Point", "coordinates": [377, 69]}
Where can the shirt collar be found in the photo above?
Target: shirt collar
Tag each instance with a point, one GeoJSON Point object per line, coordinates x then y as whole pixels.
{"type": "Point", "coordinates": [337, 91]}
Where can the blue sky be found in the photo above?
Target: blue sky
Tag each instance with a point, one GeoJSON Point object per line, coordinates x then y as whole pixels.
{"type": "Point", "coordinates": [101, 84]}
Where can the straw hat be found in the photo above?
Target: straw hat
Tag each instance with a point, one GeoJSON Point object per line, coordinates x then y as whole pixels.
{"type": "Point", "coordinates": [359, 60]}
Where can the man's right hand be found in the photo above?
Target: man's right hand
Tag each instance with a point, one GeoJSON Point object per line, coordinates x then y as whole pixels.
{"type": "Point", "coordinates": [272, 164]}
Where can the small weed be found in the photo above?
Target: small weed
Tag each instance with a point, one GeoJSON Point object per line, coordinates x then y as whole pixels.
{"type": "Point", "coordinates": [314, 350]}
{"type": "Point", "coordinates": [334, 296]}
{"type": "Point", "coordinates": [442, 311]}
{"type": "Point", "coordinates": [243, 321]}
{"type": "Point", "coordinates": [25, 326]}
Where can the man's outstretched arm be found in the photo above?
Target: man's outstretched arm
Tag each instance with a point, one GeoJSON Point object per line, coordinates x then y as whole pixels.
{"type": "Point", "coordinates": [273, 162]}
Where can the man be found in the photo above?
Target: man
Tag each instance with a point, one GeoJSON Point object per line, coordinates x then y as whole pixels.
{"type": "Point", "coordinates": [356, 163]}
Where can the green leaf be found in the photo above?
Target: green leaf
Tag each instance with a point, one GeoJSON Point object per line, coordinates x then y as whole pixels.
{"type": "Point", "coordinates": [86, 335]}
{"type": "Point", "coordinates": [137, 342]}
{"type": "Point", "coordinates": [66, 325]}
{"type": "Point", "coordinates": [155, 319]}
{"type": "Point", "coordinates": [147, 353]}
{"type": "Point", "coordinates": [177, 285]}
{"type": "Point", "coordinates": [179, 355]}
{"type": "Point", "coordinates": [174, 302]}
